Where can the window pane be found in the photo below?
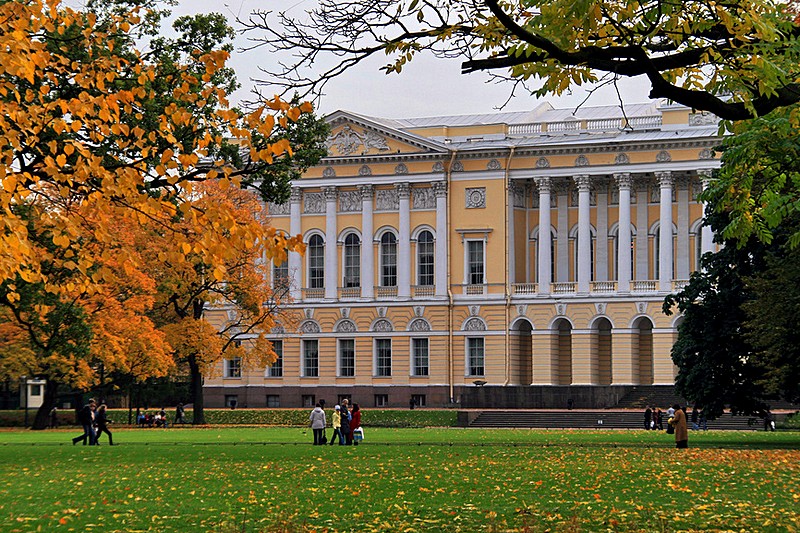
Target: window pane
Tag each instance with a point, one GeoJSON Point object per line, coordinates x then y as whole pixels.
{"type": "Point", "coordinates": [280, 277]}
{"type": "Point", "coordinates": [347, 357]}
{"type": "Point", "coordinates": [276, 370]}
{"type": "Point", "coordinates": [233, 368]}
{"type": "Point", "coordinates": [425, 258]}
{"type": "Point", "coordinates": [388, 260]}
{"type": "Point", "coordinates": [475, 354]}
{"type": "Point", "coordinates": [420, 348]}
{"type": "Point", "coordinates": [383, 357]}
{"type": "Point", "coordinates": [352, 261]}
{"type": "Point", "coordinates": [311, 359]}
{"type": "Point", "coordinates": [476, 266]}
{"type": "Point", "coordinates": [316, 262]}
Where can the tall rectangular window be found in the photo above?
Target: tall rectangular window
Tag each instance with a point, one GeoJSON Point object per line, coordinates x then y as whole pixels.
{"type": "Point", "coordinates": [425, 259]}
{"type": "Point", "coordinates": [280, 277]}
{"type": "Point", "coordinates": [233, 368]}
{"type": "Point", "coordinates": [276, 370]}
{"type": "Point", "coordinates": [311, 359]}
{"type": "Point", "coordinates": [388, 260]}
{"type": "Point", "coordinates": [475, 263]}
{"type": "Point", "coordinates": [419, 366]}
{"type": "Point", "coordinates": [347, 358]}
{"type": "Point", "coordinates": [316, 262]}
{"type": "Point", "coordinates": [352, 261]}
{"type": "Point", "coordinates": [475, 356]}
{"type": "Point", "coordinates": [383, 357]}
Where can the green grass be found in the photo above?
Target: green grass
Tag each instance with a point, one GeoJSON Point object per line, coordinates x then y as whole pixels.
{"type": "Point", "coordinates": [271, 479]}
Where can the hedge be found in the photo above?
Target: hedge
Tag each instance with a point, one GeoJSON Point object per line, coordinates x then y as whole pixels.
{"type": "Point", "coordinates": [269, 417]}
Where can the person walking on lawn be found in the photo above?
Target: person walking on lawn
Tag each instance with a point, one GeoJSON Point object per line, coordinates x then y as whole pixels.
{"type": "Point", "coordinates": [101, 421]}
{"type": "Point", "coordinates": [318, 423]}
{"type": "Point", "coordinates": [355, 422]}
{"type": "Point", "coordinates": [336, 423]}
{"type": "Point", "coordinates": [681, 429]}
{"type": "Point", "coordinates": [345, 429]}
{"type": "Point", "coordinates": [86, 419]}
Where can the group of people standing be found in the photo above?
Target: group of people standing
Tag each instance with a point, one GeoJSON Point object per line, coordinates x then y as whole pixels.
{"type": "Point", "coordinates": [676, 423]}
{"type": "Point", "coordinates": [346, 422]}
{"type": "Point", "coordinates": [95, 422]}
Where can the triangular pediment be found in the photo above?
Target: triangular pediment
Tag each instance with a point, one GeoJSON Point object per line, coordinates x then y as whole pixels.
{"type": "Point", "coordinates": [354, 135]}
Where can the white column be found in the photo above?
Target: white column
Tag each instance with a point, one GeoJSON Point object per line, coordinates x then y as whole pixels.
{"type": "Point", "coordinates": [511, 277]}
{"type": "Point", "coordinates": [682, 248]}
{"type": "Point", "coordinates": [707, 237]}
{"type": "Point", "coordinates": [665, 223]}
{"type": "Point", "coordinates": [562, 232]}
{"type": "Point", "coordinates": [584, 233]}
{"type": "Point", "coordinates": [295, 259]}
{"type": "Point", "coordinates": [543, 254]}
{"type": "Point", "coordinates": [441, 266]}
{"type": "Point", "coordinates": [623, 180]}
{"type": "Point", "coordinates": [331, 246]}
{"type": "Point", "coordinates": [367, 249]}
{"type": "Point", "coordinates": [601, 245]}
{"type": "Point", "coordinates": [404, 244]}
{"type": "Point", "coordinates": [642, 229]}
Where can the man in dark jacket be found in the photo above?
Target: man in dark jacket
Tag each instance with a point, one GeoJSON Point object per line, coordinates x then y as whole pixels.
{"type": "Point", "coordinates": [86, 419]}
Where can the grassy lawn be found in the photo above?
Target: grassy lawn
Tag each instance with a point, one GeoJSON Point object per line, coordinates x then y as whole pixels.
{"type": "Point", "coordinates": [271, 479]}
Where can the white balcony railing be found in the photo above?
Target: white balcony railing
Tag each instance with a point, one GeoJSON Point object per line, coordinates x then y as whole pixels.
{"type": "Point", "coordinates": [604, 286]}
{"type": "Point", "coordinates": [644, 285]}
{"type": "Point", "coordinates": [386, 292]}
{"type": "Point", "coordinates": [563, 287]}
{"type": "Point", "coordinates": [679, 284]}
{"type": "Point", "coordinates": [313, 294]}
{"type": "Point", "coordinates": [524, 289]}
{"type": "Point", "coordinates": [349, 293]}
{"type": "Point", "coordinates": [423, 291]}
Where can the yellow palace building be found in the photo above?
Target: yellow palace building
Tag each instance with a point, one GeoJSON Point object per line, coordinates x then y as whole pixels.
{"type": "Point", "coordinates": [513, 259]}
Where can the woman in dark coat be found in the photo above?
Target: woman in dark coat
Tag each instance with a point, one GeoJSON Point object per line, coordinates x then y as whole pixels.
{"type": "Point", "coordinates": [681, 430]}
{"type": "Point", "coordinates": [355, 423]}
{"type": "Point", "coordinates": [101, 421]}
{"type": "Point", "coordinates": [345, 429]}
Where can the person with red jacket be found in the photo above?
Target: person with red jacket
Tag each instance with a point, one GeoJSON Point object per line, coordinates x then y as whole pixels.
{"type": "Point", "coordinates": [355, 422]}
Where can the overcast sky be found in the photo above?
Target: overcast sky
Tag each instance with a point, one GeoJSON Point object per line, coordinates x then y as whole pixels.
{"type": "Point", "coordinates": [426, 87]}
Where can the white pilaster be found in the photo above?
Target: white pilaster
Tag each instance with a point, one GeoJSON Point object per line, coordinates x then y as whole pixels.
{"type": "Point", "coordinates": [295, 259]}
{"type": "Point", "coordinates": [441, 266]}
{"type": "Point", "coordinates": [707, 237]}
{"type": "Point", "coordinates": [543, 255]}
{"type": "Point", "coordinates": [642, 229]}
{"type": "Point", "coordinates": [562, 233]}
{"type": "Point", "coordinates": [512, 278]}
{"type": "Point", "coordinates": [601, 246]}
{"type": "Point", "coordinates": [682, 268]}
{"type": "Point", "coordinates": [404, 244]}
{"type": "Point", "coordinates": [623, 180]}
{"type": "Point", "coordinates": [367, 250]}
{"type": "Point", "coordinates": [584, 234]}
{"type": "Point", "coordinates": [331, 246]}
{"type": "Point", "coordinates": [665, 223]}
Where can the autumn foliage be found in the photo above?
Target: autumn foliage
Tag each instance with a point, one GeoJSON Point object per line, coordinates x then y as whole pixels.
{"type": "Point", "coordinates": [98, 143]}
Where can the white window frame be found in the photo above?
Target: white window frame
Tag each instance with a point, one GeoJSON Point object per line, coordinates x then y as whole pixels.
{"type": "Point", "coordinates": [467, 261]}
{"type": "Point", "coordinates": [304, 364]}
{"type": "Point", "coordinates": [233, 371]}
{"type": "Point", "coordinates": [356, 259]}
{"type": "Point", "coordinates": [321, 280]}
{"type": "Point", "coordinates": [381, 279]}
{"type": "Point", "coordinates": [468, 357]}
{"type": "Point", "coordinates": [339, 365]}
{"type": "Point", "coordinates": [419, 256]}
{"type": "Point", "coordinates": [413, 357]}
{"type": "Point", "coordinates": [377, 367]}
{"type": "Point", "coordinates": [276, 370]}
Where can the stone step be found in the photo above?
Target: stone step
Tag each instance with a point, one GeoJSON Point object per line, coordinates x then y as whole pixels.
{"type": "Point", "coordinates": [593, 419]}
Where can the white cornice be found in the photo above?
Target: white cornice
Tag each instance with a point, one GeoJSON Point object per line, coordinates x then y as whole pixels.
{"type": "Point", "coordinates": [607, 170]}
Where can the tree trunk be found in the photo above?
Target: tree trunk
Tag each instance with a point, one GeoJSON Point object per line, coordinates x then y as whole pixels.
{"type": "Point", "coordinates": [196, 391]}
{"type": "Point", "coordinates": [42, 420]}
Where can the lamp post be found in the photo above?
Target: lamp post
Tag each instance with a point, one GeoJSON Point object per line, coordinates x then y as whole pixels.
{"type": "Point", "coordinates": [24, 391]}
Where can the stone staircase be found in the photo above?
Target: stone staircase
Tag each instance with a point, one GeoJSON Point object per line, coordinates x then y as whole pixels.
{"type": "Point", "coordinates": [585, 419]}
{"type": "Point", "coordinates": [641, 396]}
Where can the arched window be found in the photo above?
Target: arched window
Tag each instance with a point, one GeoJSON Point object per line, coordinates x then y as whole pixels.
{"type": "Point", "coordinates": [352, 261]}
{"type": "Point", "coordinates": [425, 259]}
{"type": "Point", "coordinates": [316, 262]}
{"type": "Point", "coordinates": [388, 260]}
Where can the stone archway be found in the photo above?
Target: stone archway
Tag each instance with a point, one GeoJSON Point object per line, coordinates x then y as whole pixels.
{"type": "Point", "coordinates": [562, 352]}
{"type": "Point", "coordinates": [602, 350]}
{"type": "Point", "coordinates": [522, 352]}
{"type": "Point", "coordinates": [644, 351]}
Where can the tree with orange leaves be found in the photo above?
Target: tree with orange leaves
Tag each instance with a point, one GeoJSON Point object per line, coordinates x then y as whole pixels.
{"type": "Point", "coordinates": [96, 136]}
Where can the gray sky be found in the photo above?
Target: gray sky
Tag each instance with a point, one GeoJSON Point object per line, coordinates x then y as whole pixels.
{"type": "Point", "coordinates": [426, 86]}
